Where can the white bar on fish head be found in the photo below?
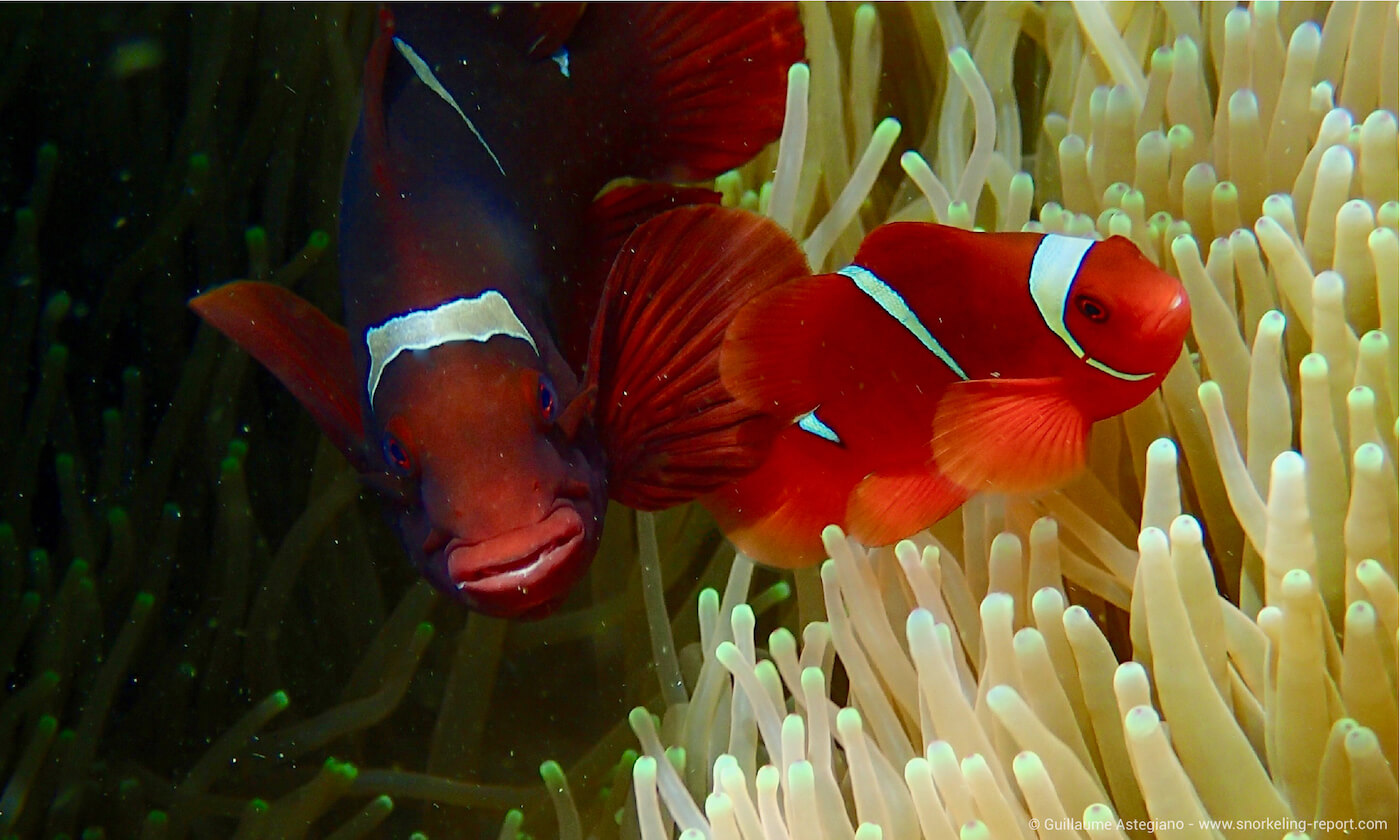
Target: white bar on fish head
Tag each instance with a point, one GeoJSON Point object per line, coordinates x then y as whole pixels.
{"type": "Point", "coordinates": [485, 316]}
{"type": "Point", "coordinates": [1054, 267]}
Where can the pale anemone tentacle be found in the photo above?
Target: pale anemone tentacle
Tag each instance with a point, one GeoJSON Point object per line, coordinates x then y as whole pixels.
{"type": "Point", "coordinates": [844, 209]}
{"type": "Point", "coordinates": [933, 190]}
{"type": "Point", "coordinates": [979, 160]}
{"type": "Point", "coordinates": [782, 205]}
{"type": "Point", "coordinates": [1171, 785]}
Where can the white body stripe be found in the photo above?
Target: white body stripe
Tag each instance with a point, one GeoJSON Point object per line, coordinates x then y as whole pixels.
{"type": "Point", "coordinates": [812, 424]}
{"type": "Point", "coordinates": [889, 300]}
{"type": "Point", "coordinates": [463, 319]}
{"type": "Point", "coordinates": [1056, 263]}
{"type": "Point", "coordinates": [425, 74]}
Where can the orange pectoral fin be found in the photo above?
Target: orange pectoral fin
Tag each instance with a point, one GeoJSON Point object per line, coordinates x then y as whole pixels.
{"type": "Point", "coordinates": [886, 508]}
{"type": "Point", "coordinates": [1011, 435]}
{"type": "Point", "coordinates": [307, 352]}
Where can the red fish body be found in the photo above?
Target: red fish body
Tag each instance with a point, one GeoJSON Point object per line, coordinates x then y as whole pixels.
{"type": "Point", "coordinates": [941, 363]}
{"type": "Point", "coordinates": [473, 259]}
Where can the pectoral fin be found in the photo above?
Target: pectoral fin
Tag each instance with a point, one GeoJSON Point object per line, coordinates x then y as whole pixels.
{"type": "Point", "coordinates": [1010, 435]}
{"type": "Point", "coordinates": [307, 352]}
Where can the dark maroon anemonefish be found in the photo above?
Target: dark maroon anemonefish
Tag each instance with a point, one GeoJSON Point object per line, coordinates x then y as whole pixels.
{"type": "Point", "coordinates": [517, 348]}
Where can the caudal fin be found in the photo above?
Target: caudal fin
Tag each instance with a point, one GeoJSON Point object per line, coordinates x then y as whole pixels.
{"type": "Point", "coordinates": [611, 219]}
{"type": "Point", "coordinates": [307, 352]}
{"type": "Point", "coordinates": [670, 428]}
{"type": "Point", "coordinates": [705, 85]}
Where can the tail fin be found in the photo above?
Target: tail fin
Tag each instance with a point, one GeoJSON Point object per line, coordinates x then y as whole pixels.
{"type": "Point", "coordinates": [670, 428]}
{"type": "Point", "coordinates": [611, 219]}
{"type": "Point", "coordinates": [709, 82]}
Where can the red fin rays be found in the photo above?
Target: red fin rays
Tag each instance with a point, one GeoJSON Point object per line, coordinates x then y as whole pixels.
{"type": "Point", "coordinates": [308, 352]}
{"type": "Point", "coordinates": [1011, 435]}
{"type": "Point", "coordinates": [618, 212]}
{"type": "Point", "coordinates": [670, 428]}
{"type": "Point", "coordinates": [715, 77]}
{"type": "Point", "coordinates": [611, 219]}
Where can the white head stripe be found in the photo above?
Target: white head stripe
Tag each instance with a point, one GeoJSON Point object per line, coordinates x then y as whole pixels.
{"type": "Point", "coordinates": [812, 424]}
{"type": "Point", "coordinates": [889, 300]}
{"type": "Point", "coordinates": [464, 319]}
{"type": "Point", "coordinates": [1053, 268]}
{"type": "Point", "coordinates": [425, 74]}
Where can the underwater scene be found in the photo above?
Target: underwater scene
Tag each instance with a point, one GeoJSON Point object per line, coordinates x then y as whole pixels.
{"type": "Point", "coordinates": [734, 421]}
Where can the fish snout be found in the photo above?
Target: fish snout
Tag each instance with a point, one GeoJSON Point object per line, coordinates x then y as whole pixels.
{"type": "Point", "coordinates": [1175, 320]}
{"type": "Point", "coordinates": [523, 571]}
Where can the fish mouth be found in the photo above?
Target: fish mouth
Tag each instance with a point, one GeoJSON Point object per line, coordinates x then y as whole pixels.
{"type": "Point", "coordinates": [510, 573]}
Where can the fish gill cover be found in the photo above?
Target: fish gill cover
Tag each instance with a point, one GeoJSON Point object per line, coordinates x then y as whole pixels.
{"type": "Point", "coordinates": [196, 641]}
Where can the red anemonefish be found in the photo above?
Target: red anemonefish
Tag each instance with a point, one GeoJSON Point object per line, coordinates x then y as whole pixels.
{"type": "Point", "coordinates": [474, 266]}
{"type": "Point", "coordinates": [941, 363]}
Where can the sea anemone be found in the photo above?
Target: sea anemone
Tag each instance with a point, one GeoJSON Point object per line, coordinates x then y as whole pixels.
{"type": "Point", "coordinates": [1203, 625]}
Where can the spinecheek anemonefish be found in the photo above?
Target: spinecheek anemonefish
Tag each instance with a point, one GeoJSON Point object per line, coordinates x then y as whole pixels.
{"type": "Point", "coordinates": [940, 363]}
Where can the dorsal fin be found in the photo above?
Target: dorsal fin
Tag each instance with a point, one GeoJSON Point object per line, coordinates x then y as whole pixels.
{"type": "Point", "coordinates": [375, 128]}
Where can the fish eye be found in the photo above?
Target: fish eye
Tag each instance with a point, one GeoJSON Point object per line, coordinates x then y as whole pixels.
{"type": "Point", "coordinates": [1091, 309]}
{"type": "Point", "coordinates": [548, 400]}
{"type": "Point", "coordinates": [396, 455]}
